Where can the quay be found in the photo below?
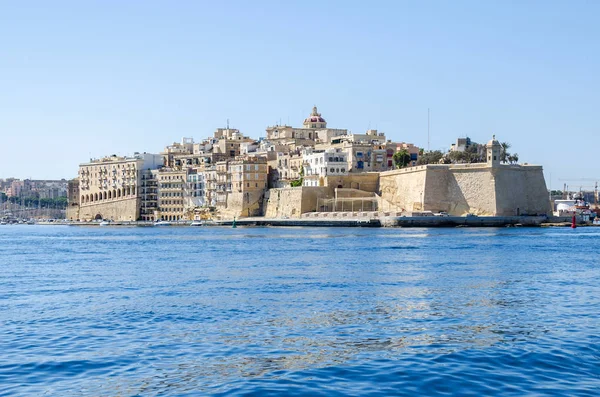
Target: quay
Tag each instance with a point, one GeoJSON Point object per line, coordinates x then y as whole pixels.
{"type": "Point", "coordinates": [383, 221]}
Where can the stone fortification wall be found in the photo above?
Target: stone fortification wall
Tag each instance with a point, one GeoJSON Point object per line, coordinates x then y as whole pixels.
{"type": "Point", "coordinates": [367, 181]}
{"type": "Point", "coordinates": [243, 204]}
{"type": "Point", "coordinates": [127, 209]}
{"type": "Point", "coordinates": [404, 188]}
{"type": "Point", "coordinates": [72, 212]}
{"type": "Point", "coordinates": [469, 190]}
{"type": "Point", "coordinates": [521, 190]}
{"type": "Point", "coordinates": [506, 190]}
{"type": "Point", "coordinates": [291, 202]}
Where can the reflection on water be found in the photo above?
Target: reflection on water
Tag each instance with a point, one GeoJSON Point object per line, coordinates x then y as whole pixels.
{"type": "Point", "coordinates": [176, 311]}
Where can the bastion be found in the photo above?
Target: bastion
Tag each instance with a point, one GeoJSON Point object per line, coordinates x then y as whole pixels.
{"type": "Point", "coordinates": [491, 188]}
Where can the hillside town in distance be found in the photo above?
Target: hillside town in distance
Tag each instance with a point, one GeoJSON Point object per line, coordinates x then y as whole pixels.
{"type": "Point", "coordinates": [307, 172]}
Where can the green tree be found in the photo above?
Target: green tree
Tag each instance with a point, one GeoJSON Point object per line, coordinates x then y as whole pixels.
{"type": "Point", "coordinates": [504, 154]}
{"type": "Point", "coordinates": [432, 157]}
{"type": "Point", "coordinates": [300, 181]}
{"type": "Point", "coordinates": [401, 158]}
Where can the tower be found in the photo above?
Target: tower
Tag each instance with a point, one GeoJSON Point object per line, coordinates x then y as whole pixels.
{"type": "Point", "coordinates": [494, 151]}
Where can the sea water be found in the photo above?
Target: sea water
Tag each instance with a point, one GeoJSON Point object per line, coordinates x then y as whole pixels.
{"type": "Point", "coordinates": [174, 311]}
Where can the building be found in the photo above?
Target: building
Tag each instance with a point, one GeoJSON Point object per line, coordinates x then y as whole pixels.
{"type": "Point", "coordinates": [149, 195]}
{"type": "Point", "coordinates": [314, 128]}
{"type": "Point", "coordinates": [109, 187]}
{"type": "Point", "coordinates": [171, 194]}
{"type": "Point", "coordinates": [318, 165]}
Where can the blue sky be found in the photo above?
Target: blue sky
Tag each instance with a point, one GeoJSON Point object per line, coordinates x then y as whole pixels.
{"type": "Point", "coordinates": [92, 78]}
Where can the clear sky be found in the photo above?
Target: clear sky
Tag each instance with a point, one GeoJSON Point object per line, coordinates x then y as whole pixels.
{"type": "Point", "coordinates": [93, 78]}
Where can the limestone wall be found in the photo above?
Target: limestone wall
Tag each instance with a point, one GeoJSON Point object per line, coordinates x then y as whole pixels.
{"type": "Point", "coordinates": [291, 202]}
{"type": "Point", "coordinates": [240, 204]}
{"type": "Point", "coordinates": [404, 188]}
{"type": "Point", "coordinates": [126, 209]}
{"type": "Point", "coordinates": [471, 188]}
{"type": "Point", "coordinates": [521, 190]}
{"type": "Point", "coordinates": [367, 181]}
{"type": "Point", "coordinates": [72, 212]}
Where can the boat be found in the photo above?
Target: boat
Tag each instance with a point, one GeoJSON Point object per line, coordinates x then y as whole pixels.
{"type": "Point", "coordinates": [196, 223]}
{"type": "Point", "coordinates": [104, 223]}
{"type": "Point", "coordinates": [162, 223]}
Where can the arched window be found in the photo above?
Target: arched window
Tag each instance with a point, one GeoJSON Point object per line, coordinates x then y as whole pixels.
{"type": "Point", "coordinates": [82, 199]}
{"type": "Point", "coordinates": [104, 196]}
{"type": "Point", "coordinates": [119, 193]}
{"type": "Point", "coordinates": [110, 194]}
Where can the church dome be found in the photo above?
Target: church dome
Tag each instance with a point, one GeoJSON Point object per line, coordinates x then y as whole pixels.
{"type": "Point", "coordinates": [315, 117]}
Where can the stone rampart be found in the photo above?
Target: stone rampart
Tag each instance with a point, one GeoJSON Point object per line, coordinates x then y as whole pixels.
{"type": "Point", "coordinates": [291, 202]}
{"type": "Point", "coordinates": [505, 190]}
{"type": "Point", "coordinates": [125, 209]}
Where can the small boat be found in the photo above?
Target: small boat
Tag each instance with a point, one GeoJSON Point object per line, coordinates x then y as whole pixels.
{"type": "Point", "coordinates": [104, 223]}
{"type": "Point", "coordinates": [162, 223]}
{"type": "Point", "coordinates": [196, 223]}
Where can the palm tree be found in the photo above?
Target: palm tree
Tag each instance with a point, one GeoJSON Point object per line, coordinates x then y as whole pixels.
{"type": "Point", "coordinates": [504, 154]}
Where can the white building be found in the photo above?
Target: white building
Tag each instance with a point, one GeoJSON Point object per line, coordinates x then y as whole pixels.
{"type": "Point", "coordinates": [320, 164]}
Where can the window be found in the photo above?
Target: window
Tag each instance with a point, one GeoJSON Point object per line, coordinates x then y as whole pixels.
{"type": "Point", "coordinates": [332, 170]}
{"type": "Point", "coordinates": [343, 170]}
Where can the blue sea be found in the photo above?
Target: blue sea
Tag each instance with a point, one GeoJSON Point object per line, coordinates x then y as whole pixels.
{"type": "Point", "coordinates": [134, 311]}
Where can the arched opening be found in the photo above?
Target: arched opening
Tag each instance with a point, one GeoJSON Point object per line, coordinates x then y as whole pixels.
{"type": "Point", "coordinates": [82, 199]}
{"type": "Point", "coordinates": [87, 198]}
{"type": "Point", "coordinates": [122, 191]}
{"type": "Point", "coordinates": [98, 217]}
{"type": "Point", "coordinates": [114, 194]}
{"type": "Point", "coordinates": [95, 196]}
{"type": "Point", "coordinates": [133, 190]}
{"type": "Point", "coordinates": [340, 187]}
{"type": "Point", "coordinates": [104, 196]}
{"type": "Point", "coordinates": [109, 194]}
{"type": "Point", "coordinates": [119, 193]}
{"type": "Point", "coordinates": [128, 191]}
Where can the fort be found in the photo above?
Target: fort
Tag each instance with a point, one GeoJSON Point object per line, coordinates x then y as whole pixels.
{"type": "Point", "coordinates": [486, 189]}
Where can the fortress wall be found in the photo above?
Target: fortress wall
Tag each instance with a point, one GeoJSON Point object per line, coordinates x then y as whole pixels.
{"type": "Point", "coordinates": [127, 209]}
{"type": "Point", "coordinates": [291, 202]}
{"type": "Point", "coordinates": [243, 204]}
{"type": "Point", "coordinates": [436, 190]}
{"type": "Point", "coordinates": [367, 181]}
{"type": "Point", "coordinates": [471, 190]}
{"type": "Point", "coordinates": [72, 212]}
{"type": "Point", "coordinates": [404, 188]}
{"type": "Point", "coordinates": [521, 190]}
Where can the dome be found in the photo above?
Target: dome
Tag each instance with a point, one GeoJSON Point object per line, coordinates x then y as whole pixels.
{"type": "Point", "coordinates": [494, 141]}
{"type": "Point", "coordinates": [315, 117]}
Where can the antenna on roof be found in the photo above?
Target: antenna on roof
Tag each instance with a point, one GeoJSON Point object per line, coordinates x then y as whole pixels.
{"type": "Point", "coordinates": [428, 146]}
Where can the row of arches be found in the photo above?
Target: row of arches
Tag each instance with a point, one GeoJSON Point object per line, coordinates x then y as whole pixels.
{"type": "Point", "coordinates": [109, 195]}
